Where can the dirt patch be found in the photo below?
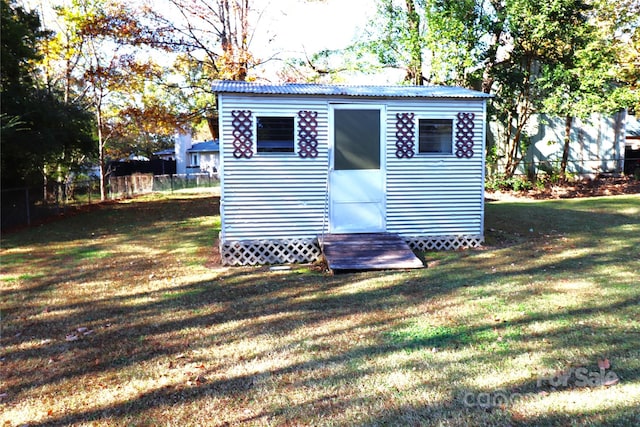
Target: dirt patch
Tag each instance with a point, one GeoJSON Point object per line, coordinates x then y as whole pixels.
{"type": "Point", "coordinates": [601, 186]}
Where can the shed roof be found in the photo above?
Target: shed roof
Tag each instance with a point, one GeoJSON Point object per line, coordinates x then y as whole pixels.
{"type": "Point", "coordinates": [206, 146]}
{"type": "Point", "coordinates": [232, 86]}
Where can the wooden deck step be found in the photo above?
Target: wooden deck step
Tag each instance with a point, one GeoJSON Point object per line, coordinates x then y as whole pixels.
{"type": "Point", "coordinates": [368, 251]}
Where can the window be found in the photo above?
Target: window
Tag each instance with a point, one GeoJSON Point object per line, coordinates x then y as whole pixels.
{"type": "Point", "coordinates": [274, 134]}
{"type": "Point", "coordinates": [357, 139]}
{"type": "Point", "coordinates": [195, 161]}
{"type": "Point", "coordinates": [435, 136]}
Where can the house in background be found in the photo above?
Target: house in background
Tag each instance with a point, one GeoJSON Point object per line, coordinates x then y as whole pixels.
{"type": "Point", "coordinates": [597, 145]}
{"type": "Point", "coordinates": [204, 157]}
{"type": "Point", "coordinates": [166, 154]}
{"type": "Point", "coordinates": [299, 161]}
{"type": "Point", "coordinates": [196, 158]}
{"type": "Point", "coordinates": [632, 147]}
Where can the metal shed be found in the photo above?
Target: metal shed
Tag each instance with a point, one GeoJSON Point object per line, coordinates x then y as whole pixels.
{"type": "Point", "coordinates": [300, 161]}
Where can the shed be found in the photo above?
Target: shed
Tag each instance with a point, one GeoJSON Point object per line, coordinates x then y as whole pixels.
{"type": "Point", "coordinates": [301, 161]}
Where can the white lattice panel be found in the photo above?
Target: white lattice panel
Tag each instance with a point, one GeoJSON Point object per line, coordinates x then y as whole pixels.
{"type": "Point", "coordinates": [443, 243]}
{"type": "Point", "coordinates": [257, 252]}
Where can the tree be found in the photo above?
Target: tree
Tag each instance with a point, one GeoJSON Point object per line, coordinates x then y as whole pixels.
{"type": "Point", "coordinates": [461, 36]}
{"type": "Point", "coordinates": [545, 40]}
{"type": "Point", "coordinates": [99, 60]}
{"type": "Point", "coordinates": [575, 57]}
{"type": "Point", "coordinates": [619, 22]}
{"type": "Point", "coordinates": [144, 118]}
{"type": "Point", "coordinates": [396, 37]}
{"type": "Point", "coordinates": [523, 51]}
{"type": "Point", "coordinates": [580, 84]}
{"type": "Point", "coordinates": [39, 128]}
{"type": "Point", "coordinates": [214, 37]}
{"type": "Point", "coordinates": [628, 64]}
{"type": "Point", "coordinates": [536, 57]}
{"type": "Point", "coordinates": [138, 105]}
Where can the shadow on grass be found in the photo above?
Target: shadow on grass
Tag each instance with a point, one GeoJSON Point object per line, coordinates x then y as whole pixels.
{"type": "Point", "coordinates": [141, 216]}
{"type": "Point", "coordinates": [136, 327]}
{"type": "Point", "coordinates": [242, 384]}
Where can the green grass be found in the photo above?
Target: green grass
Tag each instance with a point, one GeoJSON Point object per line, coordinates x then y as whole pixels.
{"type": "Point", "coordinates": [478, 338]}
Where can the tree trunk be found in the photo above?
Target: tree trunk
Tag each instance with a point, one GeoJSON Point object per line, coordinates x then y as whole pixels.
{"type": "Point", "coordinates": [414, 73]}
{"type": "Point", "coordinates": [511, 146]}
{"type": "Point", "coordinates": [516, 150]}
{"type": "Point", "coordinates": [103, 185]}
{"type": "Point", "coordinates": [45, 182]}
{"type": "Point", "coordinates": [565, 150]}
{"type": "Point", "coordinates": [492, 52]}
{"type": "Point", "coordinates": [243, 66]}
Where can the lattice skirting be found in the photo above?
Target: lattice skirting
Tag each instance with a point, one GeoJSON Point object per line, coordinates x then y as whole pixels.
{"type": "Point", "coordinates": [256, 252]}
{"type": "Point", "coordinates": [443, 243]}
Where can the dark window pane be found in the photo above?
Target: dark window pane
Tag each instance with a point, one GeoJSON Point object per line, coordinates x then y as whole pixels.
{"type": "Point", "coordinates": [435, 136]}
{"type": "Point", "coordinates": [275, 134]}
{"type": "Point", "coordinates": [357, 139]}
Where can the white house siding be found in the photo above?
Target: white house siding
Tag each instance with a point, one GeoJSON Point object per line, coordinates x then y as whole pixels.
{"type": "Point", "coordinates": [596, 144]}
{"type": "Point", "coordinates": [182, 144]}
{"type": "Point", "coordinates": [272, 196]}
{"type": "Point", "coordinates": [436, 195]}
{"type": "Point", "coordinates": [209, 162]}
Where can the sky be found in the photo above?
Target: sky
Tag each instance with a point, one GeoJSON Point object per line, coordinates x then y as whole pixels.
{"type": "Point", "coordinates": [296, 28]}
{"type": "Point", "coordinates": [309, 26]}
{"type": "Point", "coordinates": [297, 25]}
{"type": "Point", "coordinates": [290, 28]}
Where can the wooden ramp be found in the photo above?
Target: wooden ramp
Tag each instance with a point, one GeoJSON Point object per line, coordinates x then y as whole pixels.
{"type": "Point", "coordinates": [368, 251]}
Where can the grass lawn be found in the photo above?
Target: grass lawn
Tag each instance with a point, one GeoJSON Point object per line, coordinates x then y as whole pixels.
{"type": "Point", "coordinates": [120, 316]}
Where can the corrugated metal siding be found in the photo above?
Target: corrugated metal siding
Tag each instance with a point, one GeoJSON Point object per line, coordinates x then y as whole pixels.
{"type": "Point", "coordinates": [283, 196]}
{"type": "Point", "coordinates": [435, 195]}
{"type": "Point", "coordinates": [272, 196]}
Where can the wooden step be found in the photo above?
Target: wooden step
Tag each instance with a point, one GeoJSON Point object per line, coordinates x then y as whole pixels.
{"type": "Point", "coordinates": [368, 251]}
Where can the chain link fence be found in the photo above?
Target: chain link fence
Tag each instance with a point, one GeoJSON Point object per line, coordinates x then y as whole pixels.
{"type": "Point", "coordinates": [181, 182]}
{"type": "Point", "coordinates": [29, 205]}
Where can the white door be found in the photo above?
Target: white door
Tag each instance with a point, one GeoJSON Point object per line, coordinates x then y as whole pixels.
{"type": "Point", "coordinates": [356, 178]}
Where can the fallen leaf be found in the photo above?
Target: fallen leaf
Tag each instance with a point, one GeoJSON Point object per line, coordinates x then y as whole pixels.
{"type": "Point", "coordinates": [613, 381]}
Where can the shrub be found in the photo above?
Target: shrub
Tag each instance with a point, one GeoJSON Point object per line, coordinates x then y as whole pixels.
{"type": "Point", "coordinates": [501, 182]}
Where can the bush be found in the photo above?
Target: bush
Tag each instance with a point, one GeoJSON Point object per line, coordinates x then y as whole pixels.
{"type": "Point", "coordinates": [500, 182]}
